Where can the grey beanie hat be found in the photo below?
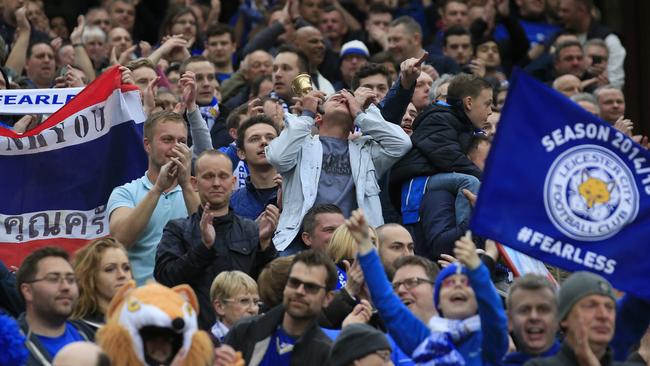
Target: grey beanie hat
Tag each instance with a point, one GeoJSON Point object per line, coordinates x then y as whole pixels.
{"type": "Point", "coordinates": [356, 341]}
{"type": "Point", "coordinates": [578, 285]}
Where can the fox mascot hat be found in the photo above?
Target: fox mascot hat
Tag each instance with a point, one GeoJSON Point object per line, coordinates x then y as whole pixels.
{"type": "Point", "coordinates": [149, 325]}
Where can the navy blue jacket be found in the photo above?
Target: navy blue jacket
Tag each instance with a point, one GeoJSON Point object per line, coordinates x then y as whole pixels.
{"type": "Point", "coordinates": [394, 104]}
{"type": "Point", "coordinates": [436, 232]}
{"type": "Point", "coordinates": [248, 202]}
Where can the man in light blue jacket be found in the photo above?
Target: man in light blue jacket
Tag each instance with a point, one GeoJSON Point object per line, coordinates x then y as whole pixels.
{"type": "Point", "coordinates": [333, 166]}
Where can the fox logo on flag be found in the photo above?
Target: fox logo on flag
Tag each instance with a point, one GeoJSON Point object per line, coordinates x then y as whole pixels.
{"type": "Point", "coordinates": [58, 176]}
{"type": "Point", "coordinates": [567, 188]}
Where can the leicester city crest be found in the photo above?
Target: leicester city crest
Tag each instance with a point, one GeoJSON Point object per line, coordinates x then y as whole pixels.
{"type": "Point", "coordinates": [590, 193]}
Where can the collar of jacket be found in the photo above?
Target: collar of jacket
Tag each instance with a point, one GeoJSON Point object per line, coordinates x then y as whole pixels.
{"type": "Point", "coordinates": [251, 188]}
{"type": "Point", "coordinates": [269, 322]}
{"type": "Point", "coordinates": [454, 109]}
{"type": "Point", "coordinates": [227, 219]}
{"type": "Point", "coordinates": [567, 351]}
{"type": "Point", "coordinates": [520, 358]}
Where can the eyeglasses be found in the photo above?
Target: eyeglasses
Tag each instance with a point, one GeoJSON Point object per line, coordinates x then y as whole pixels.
{"type": "Point", "coordinates": [310, 288]}
{"type": "Point", "coordinates": [245, 302]}
{"type": "Point", "coordinates": [452, 280]}
{"type": "Point", "coordinates": [56, 279]}
{"type": "Point", "coordinates": [410, 283]}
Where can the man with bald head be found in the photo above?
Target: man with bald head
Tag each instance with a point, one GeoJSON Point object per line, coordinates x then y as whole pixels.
{"type": "Point", "coordinates": [568, 85]}
{"type": "Point", "coordinates": [81, 354]}
{"type": "Point", "coordinates": [394, 242]}
{"type": "Point", "coordinates": [311, 41]}
{"type": "Point", "coordinates": [611, 102]}
{"type": "Point", "coordinates": [235, 90]}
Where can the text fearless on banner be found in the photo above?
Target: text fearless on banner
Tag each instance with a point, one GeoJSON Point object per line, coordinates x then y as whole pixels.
{"type": "Point", "coordinates": [567, 188]}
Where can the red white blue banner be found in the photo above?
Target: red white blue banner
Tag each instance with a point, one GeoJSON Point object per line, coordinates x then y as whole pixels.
{"type": "Point", "coordinates": [57, 177]}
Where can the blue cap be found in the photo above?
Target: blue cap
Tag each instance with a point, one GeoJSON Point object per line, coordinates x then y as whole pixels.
{"type": "Point", "coordinates": [450, 270]}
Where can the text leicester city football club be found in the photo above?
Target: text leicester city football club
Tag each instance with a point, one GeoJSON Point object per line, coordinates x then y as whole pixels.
{"type": "Point", "coordinates": [606, 134]}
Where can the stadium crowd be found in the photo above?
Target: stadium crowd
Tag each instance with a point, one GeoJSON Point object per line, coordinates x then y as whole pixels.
{"type": "Point", "coordinates": [312, 170]}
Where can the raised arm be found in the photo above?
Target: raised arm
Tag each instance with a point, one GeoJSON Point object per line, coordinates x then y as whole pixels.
{"type": "Point", "coordinates": [390, 141]}
{"type": "Point", "coordinates": [407, 330]}
{"type": "Point", "coordinates": [127, 220]}
{"type": "Point", "coordinates": [18, 55]}
{"type": "Point", "coordinates": [494, 324]}
{"type": "Point", "coordinates": [198, 128]}
{"type": "Point", "coordinates": [81, 58]}
{"type": "Point", "coordinates": [283, 151]}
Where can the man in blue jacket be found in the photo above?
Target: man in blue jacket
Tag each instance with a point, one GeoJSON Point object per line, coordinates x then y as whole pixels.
{"type": "Point", "coordinates": [261, 189]}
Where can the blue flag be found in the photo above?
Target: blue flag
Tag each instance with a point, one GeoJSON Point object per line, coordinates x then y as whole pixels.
{"type": "Point", "coordinates": [567, 188]}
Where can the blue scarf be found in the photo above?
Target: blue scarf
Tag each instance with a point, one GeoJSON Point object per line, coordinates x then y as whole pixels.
{"type": "Point", "coordinates": [210, 112]}
{"type": "Point", "coordinates": [282, 102]}
{"type": "Point", "coordinates": [439, 348]}
{"type": "Point", "coordinates": [342, 278]}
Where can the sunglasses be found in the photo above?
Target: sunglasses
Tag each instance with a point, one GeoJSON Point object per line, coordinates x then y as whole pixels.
{"type": "Point", "coordinates": [310, 288]}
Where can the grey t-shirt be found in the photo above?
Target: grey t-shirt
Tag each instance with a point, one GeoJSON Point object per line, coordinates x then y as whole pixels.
{"type": "Point", "coordinates": [336, 185]}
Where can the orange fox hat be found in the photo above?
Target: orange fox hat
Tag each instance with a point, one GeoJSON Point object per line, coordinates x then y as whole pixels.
{"type": "Point", "coordinates": [151, 324]}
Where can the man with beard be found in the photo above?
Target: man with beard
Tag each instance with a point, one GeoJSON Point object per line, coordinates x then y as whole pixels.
{"type": "Point", "coordinates": [394, 242]}
{"type": "Point", "coordinates": [47, 284]}
{"type": "Point", "coordinates": [214, 239]}
{"type": "Point", "coordinates": [289, 333]}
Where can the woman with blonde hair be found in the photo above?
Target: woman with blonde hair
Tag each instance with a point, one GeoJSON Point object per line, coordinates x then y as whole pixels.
{"type": "Point", "coordinates": [101, 268]}
{"type": "Point", "coordinates": [234, 296]}
{"type": "Point", "coordinates": [342, 249]}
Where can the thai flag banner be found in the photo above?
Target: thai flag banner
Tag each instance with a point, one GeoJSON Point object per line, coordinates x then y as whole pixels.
{"type": "Point", "coordinates": [57, 177]}
{"type": "Point", "coordinates": [566, 188]}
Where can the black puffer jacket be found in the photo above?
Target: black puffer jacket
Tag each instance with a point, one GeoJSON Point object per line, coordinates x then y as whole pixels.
{"type": "Point", "coordinates": [441, 138]}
